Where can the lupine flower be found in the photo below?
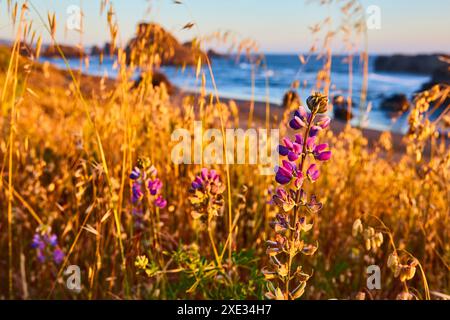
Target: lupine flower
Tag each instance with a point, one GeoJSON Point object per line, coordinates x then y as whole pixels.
{"type": "Point", "coordinates": [324, 122]}
{"type": "Point", "coordinates": [160, 202]}
{"type": "Point", "coordinates": [206, 190]}
{"type": "Point", "coordinates": [136, 192]}
{"type": "Point", "coordinates": [313, 172]}
{"type": "Point", "coordinates": [58, 256]}
{"type": "Point", "coordinates": [313, 205]}
{"type": "Point", "coordinates": [37, 242]}
{"type": "Point", "coordinates": [290, 149]}
{"type": "Point", "coordinates": [144, 176]}
{"type": "Point", "coordinates": [320, 154]}
{"type": "Point", "coordinates": [209, 181]}
{"type": "Point", "coordinates": [284, 199]}
{"type": "Point", "coordinates": [53, 240]}
{"type": "Point", "coordinates": [286, 172]}
{"type": "Point", "coordinates": [300, 119]}
{"type": "Point", "coordinates": [154, 186]}
{"type": "Point", "coordinates": [135, 174]}
{"type": "Point", "coordinates": [288, 244]}
{"type": "Point", "coordinates": [314, 131]}
{"type": "Point", "coordinates": [310, 144]}
{"type": "Point", "coordinates": [46, 245]}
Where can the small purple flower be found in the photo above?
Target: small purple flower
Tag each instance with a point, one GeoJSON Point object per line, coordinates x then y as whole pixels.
{"type": "Point", "coordinates": [314, 131]}
{"type": "Point", "coordinates": [52, 240]}
{"type": "Point", "coordinates": [298, 181]}
{"type": "Point", "coordinates": [300, 119]}
{"type": "Point", "coordinates": [46, 245]}
{"type": "Point", "coordinates": [154, 186]}
{"type": "Point", "coordinates": [58, 256]}
{"type": "Point", "coordinates": [286, 172]}
{"type": "Point", "coordinates": [37, 242]}
{"type": "Point", "coordinates": [41, 255]}
{"type": "Point", "coordinates": [310, 144]}
{"type": "Point", "coordinates": [208, 180]}
{"type": "Point", "coordinates": [324, 122]}
{"type": "Point", "coordinates": [313, 173]}
{"type": "Point", "coordinates": [136, 192]}
{"type": "Point", "coordinates": [160, 202]}
{"type": "Point", "coordinates": [135, 174]}
{"type": "Point", "coordinates": [290, 149]}
{"type": "Point", "coordinates": [320, 153]}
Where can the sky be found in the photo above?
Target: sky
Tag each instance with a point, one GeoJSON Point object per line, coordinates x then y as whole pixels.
{"type": "Point", "coordinates": [406, 26]}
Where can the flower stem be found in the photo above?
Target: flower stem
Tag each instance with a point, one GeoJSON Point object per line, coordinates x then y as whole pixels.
{"type": "Point", "coordinates": [297, 199]}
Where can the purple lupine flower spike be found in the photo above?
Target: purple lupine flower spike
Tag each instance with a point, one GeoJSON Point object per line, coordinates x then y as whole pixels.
{"type": "Point", "coordinates": [46, 245]}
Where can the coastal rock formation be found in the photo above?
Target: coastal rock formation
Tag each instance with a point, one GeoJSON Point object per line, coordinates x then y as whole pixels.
{"type": "Point", "coordinates": [418, 64]}
{"type": "Point", "coordinates": [106, 50]}
{"type": "Point", "coordinates": [152, 39]}
{"type": "Point", "coordinates": [69, 51]}
{"type": "Point", "coordinates": [157, 79]}
{"type": "Point", "coordinates": [290, 98]}
{"type": "Point", "coordinates": [96, 51]}
{"type": "Point", "coordinates": [440, 76]}
{"type": "Point", "coordinates": [214, 54]}
{"type": "Point", "coordinates": [340, 108]}
{"type": "Point", "coordinates": [395, 103]}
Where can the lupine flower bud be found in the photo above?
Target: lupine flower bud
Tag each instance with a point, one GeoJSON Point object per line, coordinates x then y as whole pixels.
{"type": "Point", "coordinates": [317, 103]}
{"type": "Point", "coordinates": [357, 227]}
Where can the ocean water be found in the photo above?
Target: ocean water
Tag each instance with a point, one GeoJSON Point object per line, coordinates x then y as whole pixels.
{"type": "Point", "coordinates": [233, 80]}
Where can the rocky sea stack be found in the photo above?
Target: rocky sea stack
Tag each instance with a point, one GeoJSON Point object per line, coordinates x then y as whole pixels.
{"type": "Point", "coordinates": [151, 38]}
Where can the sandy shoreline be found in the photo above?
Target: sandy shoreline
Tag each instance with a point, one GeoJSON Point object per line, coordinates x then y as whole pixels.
{"type": "Point", "coordinates": [276, 115]}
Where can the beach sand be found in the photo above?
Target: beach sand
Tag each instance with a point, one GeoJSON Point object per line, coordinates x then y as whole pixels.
{"type": "Point", "coordinates": [276, 115]}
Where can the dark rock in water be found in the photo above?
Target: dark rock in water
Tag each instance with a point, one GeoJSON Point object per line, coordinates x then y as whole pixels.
{"type": "Point", "coordinates": [106, 50]}
{"type": "Point", "coordinates": [96, 51]}
{"type": "Point", "coordinates": [68, 51]}
{"type": "Point", "coordinates": [395, 103]}
{"type": "Point", "coordinates": [440, 76]}
{"type": "Point", "coordinates": [340, 108]}
{"type": "Point", "coordinates": [158, 78]}
{"type": "Point", "coordinates": [151, 37]}
{"type": "Point", "coordinates": [418, 64]}
{"type": "Point", "coordinates": [290, 98]}
{"type": "Point", "coordinates": [214, 54]}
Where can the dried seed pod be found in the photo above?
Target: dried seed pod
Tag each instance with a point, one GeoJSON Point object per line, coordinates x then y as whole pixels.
{"type": "Point", "coordinates": [357, 227]}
